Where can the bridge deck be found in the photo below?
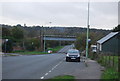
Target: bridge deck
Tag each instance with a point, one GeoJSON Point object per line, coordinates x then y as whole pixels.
{"type": "Point", "coordinates": [59, 39]}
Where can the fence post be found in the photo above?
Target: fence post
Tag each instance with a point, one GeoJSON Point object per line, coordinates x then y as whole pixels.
{"type": "Point", "coordinates": [109, 60]}
{"type": "Point", "coordinates": [113, 60]}
{"type": "Point", "coordinates": [103, 59]}
{"type": "Point", "coordinates": [118, 66]}
{"type": "Point", "coordinates": [106, 59]}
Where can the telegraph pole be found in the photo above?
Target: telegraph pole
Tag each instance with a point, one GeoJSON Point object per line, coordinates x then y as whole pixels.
{"type": "Point", "coordinates": [87, 32]}
{"type": "Point", "coordinates": [44, 40]}
{"type": "Point", "coordinates": [44, 37]}
{"type": "Point", "coordinates": [41, 39]}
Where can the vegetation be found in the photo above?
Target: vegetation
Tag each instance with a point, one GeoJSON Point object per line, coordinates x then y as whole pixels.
{"type": "Point", "coordinates": [17, 33]}
{"type": "Point", "coordinates": [29, 30]}
{"type": "Point", "coordinates": [110, 73]}
{"type": "Point", "coordinates": [80, 44]}
{"type": "Point", "coordinates": [30, 52]}
{"type": "Point", "coordinates": [32, 44]}
{"type": "Point", "coordinates": [107, 58]}
{"type": "Point", "coordinates": [108, 61]}
{"type": "Point", "coordinates": [62, 78]}
{"type": "Point", "coordinates": [28, 38]}
{"type": "Point", "coordinates": [55, 49]}
{"type": "Point", "coordinates": [6, 33]}
{"type": "Point", "coordinates": [117, 29]}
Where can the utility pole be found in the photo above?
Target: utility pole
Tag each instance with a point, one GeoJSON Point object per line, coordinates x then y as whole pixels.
{"type": "Point", "coordinates": [87, 32]}
{"type": "Point", "coordinates": [41, 38]}
{"type": "Point", "coordinates": [44, 37]}
{"type": "Point", "coordinates": [44, 40]}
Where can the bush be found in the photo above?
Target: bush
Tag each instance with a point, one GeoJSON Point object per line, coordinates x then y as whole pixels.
{"type": "Point", "coordinates": [32, 44]}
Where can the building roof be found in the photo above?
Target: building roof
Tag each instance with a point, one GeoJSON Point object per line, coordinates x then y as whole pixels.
{"type": "Point", "coordinates": [107, 37]}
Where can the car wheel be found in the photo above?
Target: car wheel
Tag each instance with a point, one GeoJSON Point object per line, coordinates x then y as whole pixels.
{"type": "Point", "coordinates": [78, 60]}
{"type": "Point", "coordinates": [66, 60]}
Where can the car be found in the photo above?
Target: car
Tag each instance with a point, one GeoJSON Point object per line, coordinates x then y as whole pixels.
{"type": "Point", "coordinates": [73, 54]}
{"type": "Point", "coordinates": [49, 51]}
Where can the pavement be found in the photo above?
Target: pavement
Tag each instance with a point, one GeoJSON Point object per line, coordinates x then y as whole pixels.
{"type": "Point", "coordinates": [92, 71]}
{"type": "Point", "coordinates": [48, 66]}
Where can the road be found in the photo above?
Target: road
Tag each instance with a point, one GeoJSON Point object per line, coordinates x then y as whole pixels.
{"type": "Point", "coordinates": [38, 66]}
{"type": "Point", "coordinates": [66, 48]}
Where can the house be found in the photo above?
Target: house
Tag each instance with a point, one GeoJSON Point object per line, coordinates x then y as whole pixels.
{"type": "Point", "coordinates": [110, 43]}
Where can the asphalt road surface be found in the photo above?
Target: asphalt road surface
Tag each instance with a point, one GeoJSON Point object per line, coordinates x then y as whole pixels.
{"type": "Point", "coordinates": [38, 66]}
{"type": "Point", "coordinates": [66, 48]}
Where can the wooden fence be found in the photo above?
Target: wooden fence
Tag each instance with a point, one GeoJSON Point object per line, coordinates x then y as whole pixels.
{"type": "Point", "coordinates": [107, 60]}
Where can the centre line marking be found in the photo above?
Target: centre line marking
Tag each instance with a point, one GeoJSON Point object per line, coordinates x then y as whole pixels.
{"type": "Point", "coordinates": [46, 74]}
{"type": "Point", "coordinates": [51, 70]}
{"type": "Point", "coordinates": [42, 77]}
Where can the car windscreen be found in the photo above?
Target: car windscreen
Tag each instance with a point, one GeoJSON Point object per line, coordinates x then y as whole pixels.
{"type": "Point", "coordinates": [73, 51]}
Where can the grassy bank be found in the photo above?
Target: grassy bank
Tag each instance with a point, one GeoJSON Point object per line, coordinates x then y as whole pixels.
{"type": "Point", "coordinates": [54, 50]}
{"type": "Point", "coordinates": [109, 61]}
{"type": "Point", "coordinates": [111, 65]}
{"type": "Point", "coordinates": [110, 73]}
{"type": "Point", "coordinates": [32, 53]}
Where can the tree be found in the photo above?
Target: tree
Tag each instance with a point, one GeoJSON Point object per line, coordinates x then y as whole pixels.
{"type": "Point", "coordinates": [80, 43]}
{"type": "Point", "coordinates": [32, 44]}
{"type": "Point", "coordinates": [6, 32]}
{"type": "Point", "coordinates": [116, 29]}
{"type": "Point", "coordinates": [17, 33]}
{"type": "Point", "coordinates": [33, 34]}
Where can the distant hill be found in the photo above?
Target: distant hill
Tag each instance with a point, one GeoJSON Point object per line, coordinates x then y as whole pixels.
{"type": "Point", "coordinates": [35, 30]}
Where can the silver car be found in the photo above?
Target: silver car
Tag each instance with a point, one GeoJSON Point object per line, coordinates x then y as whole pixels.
{"type": "Point", "coordinates": [73, 54]}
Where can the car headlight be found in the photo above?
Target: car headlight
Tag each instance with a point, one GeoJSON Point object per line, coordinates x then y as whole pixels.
{"type": "Point", "coordinates": [67, 55]}
{"type": "Point", "coordinates": [78, 55]}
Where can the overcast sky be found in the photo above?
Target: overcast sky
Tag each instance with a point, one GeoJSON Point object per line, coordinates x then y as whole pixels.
{"type": "Point", "coordinates": [103, 15]}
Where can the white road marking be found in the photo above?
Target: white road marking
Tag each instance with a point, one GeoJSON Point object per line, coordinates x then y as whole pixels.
{"type": "Point", "coordinates": [51, 70]}
{"type": "Point", "coordinates": [46, 74]}
{"type": "Point", "coordinates": [42, 78]}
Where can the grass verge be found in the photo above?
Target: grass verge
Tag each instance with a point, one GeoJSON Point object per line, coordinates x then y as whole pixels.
{"type": "Point", "coordinates": [29, 52]}
{"type": "Point", "coordinates": [110, 73]}
{"type": "Point", "coordinates": [32, 53]}
{"type": "Point", "coordinates": [54, 50]}
{"type": "Point", "coordinates": [62, 78]}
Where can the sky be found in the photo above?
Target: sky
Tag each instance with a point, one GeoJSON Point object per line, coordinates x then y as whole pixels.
{"type": "Point", "coordinates": [103, 15]}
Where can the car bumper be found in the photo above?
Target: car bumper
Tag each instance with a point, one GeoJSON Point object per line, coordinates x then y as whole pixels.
{"type": "Point", "coordinates": [72, 58]}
